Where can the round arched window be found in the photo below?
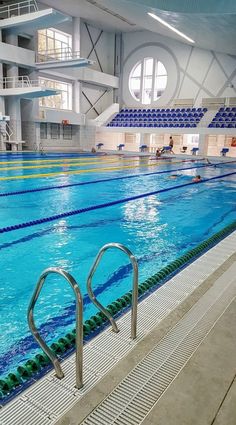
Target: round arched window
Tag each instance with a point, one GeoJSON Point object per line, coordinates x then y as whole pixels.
{"type": "Point", "coordinates": [147, 80]}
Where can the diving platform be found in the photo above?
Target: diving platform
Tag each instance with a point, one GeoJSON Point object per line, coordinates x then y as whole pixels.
{"type": "Point", "coordinates": [25, 15]}
{"type": "Point", "coordinates": [60, 58]}
{"type": "Point", "coordinates": [25, 88]}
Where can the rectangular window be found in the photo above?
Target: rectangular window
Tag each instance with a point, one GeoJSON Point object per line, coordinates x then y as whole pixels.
{"type": "Point", "coordinates": [67, 132]}
{"type": "Point", "coordinates": [55, 131]}
{"type": "Point", "coordinates": [63, 100]}
{"type": "Point", "coordinates": [53, 44]}
{"type": "Point", "coordinates": [43, 130]}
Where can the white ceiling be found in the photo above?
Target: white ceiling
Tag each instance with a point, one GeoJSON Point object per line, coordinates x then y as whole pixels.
{"type": "Point", "coordinates": [210, 28]}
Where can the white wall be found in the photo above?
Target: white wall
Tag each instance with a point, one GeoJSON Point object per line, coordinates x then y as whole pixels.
{"type": "Point", "coordinates": [192, 72]}
{"type": "Point", "coordinates": [104, 47]}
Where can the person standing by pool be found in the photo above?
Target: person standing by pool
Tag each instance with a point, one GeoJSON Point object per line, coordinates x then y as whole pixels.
{"type": "Point", "coordinates": [171, 144]}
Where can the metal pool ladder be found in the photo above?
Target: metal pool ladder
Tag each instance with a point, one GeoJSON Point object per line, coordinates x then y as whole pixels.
{"type": "Point", "coordinates": [79, 324]}
{"type": "Point", "coordinates": [134, 287]}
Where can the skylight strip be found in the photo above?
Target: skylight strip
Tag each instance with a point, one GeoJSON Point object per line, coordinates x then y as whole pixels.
{"type": "Point", "coordinates": [170, 27]}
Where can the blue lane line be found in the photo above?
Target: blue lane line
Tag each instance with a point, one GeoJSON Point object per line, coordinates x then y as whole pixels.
{"type": "Point", "coordinates": [44, 188]}
{"type": "Point", "coordinates": [100, 206]}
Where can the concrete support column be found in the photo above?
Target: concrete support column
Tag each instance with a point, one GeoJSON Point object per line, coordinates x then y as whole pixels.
{"type": "Point", "coordinates": [203, 144]}
{"type": "Point", "coordinates": [13, 103]}
{"type": "Point", "coordinates": [2, 109]}
{"type": "Point", "coordinates": [76, 48]}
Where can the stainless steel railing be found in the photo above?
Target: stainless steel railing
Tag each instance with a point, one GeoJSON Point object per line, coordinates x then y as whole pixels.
{"type": "Point", "coordinates": [134, 287]}
{"type": "Point", "coordinates": [79, 324]}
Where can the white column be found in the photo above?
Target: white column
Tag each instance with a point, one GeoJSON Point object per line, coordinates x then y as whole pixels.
{"type": "Point", "coordinates": [13, 103]}
{"type": "Point", "coordinates": [2, 106]}
{"type": "Point", "coordinates": [76, 48]}
{"type": "Point", "coordinates": [203, 144]}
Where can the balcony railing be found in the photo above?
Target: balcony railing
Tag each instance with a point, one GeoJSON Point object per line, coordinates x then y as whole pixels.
{"type": "Point", "coordinates": [17, 9]}
{"type": "Point", "coordinates": [57, 55]}
{"type": "Point", "coordinates": [22, 82]}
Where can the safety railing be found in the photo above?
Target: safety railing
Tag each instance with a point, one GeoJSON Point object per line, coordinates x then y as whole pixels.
{"type": "Point", "coordinates": [169, 124]}
{"type": "Point", "coordinates": [23, 82]}
{"type": "Point", "coordinates": [56, 55]}
{"type": "Point", "coordinates": [38, 147]}
{"type": "Point", "coordinates": [79, 324]}
{"type": "Point", "coordinates": [17, 82]}
{"type": "Point", "coordinates": [5, 131]}
{"type": "Point", "coordinates": [134, 287]}
{"type": "Point", "coordinates": [17, 9]}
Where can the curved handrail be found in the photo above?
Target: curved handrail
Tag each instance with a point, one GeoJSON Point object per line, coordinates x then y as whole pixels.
{"type": "Point", "coordinates": [79, 324]}
{"type": "Point", "coordinates": [134, 288]}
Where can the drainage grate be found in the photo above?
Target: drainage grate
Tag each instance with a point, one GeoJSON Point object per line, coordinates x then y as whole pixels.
{"type": "Point", "coordinates": [134, 397]}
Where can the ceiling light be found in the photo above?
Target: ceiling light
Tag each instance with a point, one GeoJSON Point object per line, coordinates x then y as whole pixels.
{"type": "Point", "coordinates": [170, 27]}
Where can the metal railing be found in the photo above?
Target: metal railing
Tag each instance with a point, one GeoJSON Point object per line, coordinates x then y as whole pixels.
{"type": "Point", "coordinates": [17, 82]}
{"type": "Point", "coordinates": [17, 9]}
{"type": "Point", "coordinates": [38, 147]}
{"type": "Point", "coordinates": [134, 287]}
{"type": "Point", "coordinates": [182, 124]}
{"type": "Point", "coordinates": [23, 82]}
{"type": "Point", "coordinates": [79, 324]}
{"type": "Point", "coordinates": [5, 131]}
{"type": "Point", "coordinates": [56, 55]}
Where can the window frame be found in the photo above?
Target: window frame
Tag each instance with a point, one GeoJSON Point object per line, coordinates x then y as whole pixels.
{"type": "Point", "coordinates": [143, 80]}
{"type": "Point", "coordinates": [55, 135]}
{"type": "Point", "coordinates": [52, 36]}
{"type": "Point", "coordinates": [43, 130]}
{"type": "Point", "coordinates": [56, 85]}
{"type": "Point", "coordinates": [65, 134]}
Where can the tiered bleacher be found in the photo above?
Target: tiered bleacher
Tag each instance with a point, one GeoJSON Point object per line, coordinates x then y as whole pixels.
{"type": "Point", "coordinates": [224, 118]}
{"type": "Point", "coordinates": [182, 118]}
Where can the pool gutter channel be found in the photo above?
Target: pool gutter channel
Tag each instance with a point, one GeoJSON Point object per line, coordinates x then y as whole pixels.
{"type": "Point", "coordinates": [92, 327]}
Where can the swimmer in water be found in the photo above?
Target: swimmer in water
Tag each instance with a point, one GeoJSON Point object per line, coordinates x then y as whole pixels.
{"type": "Point", "coordinates": [197, 179]}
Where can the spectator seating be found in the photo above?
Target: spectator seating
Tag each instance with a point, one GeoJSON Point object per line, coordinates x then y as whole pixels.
{"type": "Point", "coordinates": [224, 118]}
{"type": "Point", "coordinates": [156, 118]}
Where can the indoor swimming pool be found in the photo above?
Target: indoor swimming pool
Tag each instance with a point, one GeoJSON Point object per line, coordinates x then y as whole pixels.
{"type": "Point", "coordinates": [58, 210]}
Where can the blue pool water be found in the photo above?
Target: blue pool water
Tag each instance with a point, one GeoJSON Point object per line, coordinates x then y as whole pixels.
{"type": "Point", "coordinates": [157, 228]}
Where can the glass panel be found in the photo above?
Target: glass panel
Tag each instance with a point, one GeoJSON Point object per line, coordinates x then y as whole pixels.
{"type": "Point", "coordinates": [147, 89]}
{"type": "Point", "coordinates": [43, 130]}
{"type": "Point", "coordinates": [135, 87]}
{"type": "Point", "coordinates": [137, 71]}
{"type": "Point", "coordinates": [160, 85]}
{"type": "Point", "coordinates": [67, 132]}
{"type": "Point", "coordinates": [161, 69]}
{"type": "Point", "coordinates": [50, 33]}
{"type": "Point", "coordinates": [148, 66]}
{"type": "Point", "coordinates": [55, 131]}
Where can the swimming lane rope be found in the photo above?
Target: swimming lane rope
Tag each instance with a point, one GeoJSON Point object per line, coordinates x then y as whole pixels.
{"type": "Point", "coordinates": [62, 186]}
{"type": "Point", "coordinates": [100, 206]}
